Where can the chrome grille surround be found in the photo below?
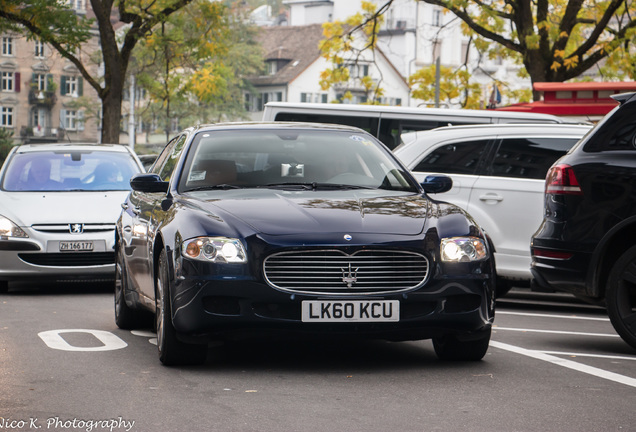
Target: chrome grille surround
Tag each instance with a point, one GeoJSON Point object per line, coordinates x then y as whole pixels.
{"type": "Point", "coordinates": [64, 228]}
{"type": "Point", "coordinates": [334, 272]}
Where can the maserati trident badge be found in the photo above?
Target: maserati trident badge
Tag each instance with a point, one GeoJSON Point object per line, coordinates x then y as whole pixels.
{"type": "Point", "coordinates": [349, 276]}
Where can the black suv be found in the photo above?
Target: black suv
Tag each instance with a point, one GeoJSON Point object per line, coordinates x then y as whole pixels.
{"type": "Point", "coordinates": [586, 244]}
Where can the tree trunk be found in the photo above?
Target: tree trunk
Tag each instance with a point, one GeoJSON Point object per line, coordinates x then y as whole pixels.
{"type": "Point", "coordinates": [111, 112]}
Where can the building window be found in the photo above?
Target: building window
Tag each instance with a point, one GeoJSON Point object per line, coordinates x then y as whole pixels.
{"type": "Point", "coordinates": [39, 82]}
{"type": "Point", "coordinates": [437, 18]}
{"type": "Point", "coordinates": [7, 46]}
{"type": "Point", "coordinates": [358, 70]}
{"type": "Point", "coordinates": [8, 81]}
{"type": "Point", "coordinates": [272, 67]}
{"type": "Point", "coordinates": [71, 86]}
{"type": "Point", "coordinates": [6, 116]}
{"type": "Point", "coordinates": [256, 102]}
{"type": "Point", "coordinates": [39, 49]}
{"type": "Point", "coordinates": [72, 120]}
{"type": "Point", "coordinates": [77, 5]}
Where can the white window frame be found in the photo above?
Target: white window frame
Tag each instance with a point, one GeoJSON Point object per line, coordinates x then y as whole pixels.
{"type": "Point", "coordinates": [7, 114]}
{"type": "Point", "coordinates": [7, 81]}
{"type": "Point", "coordinates": [40, 81]}
{"type": "Point", "coordinates": [7, 46]}
{"type": "Point", "coordinates": [72, 86]}
{"type": "Point", "coordinates": [39, 49]}
{"type": "Point", "coordinates": [72, 120]}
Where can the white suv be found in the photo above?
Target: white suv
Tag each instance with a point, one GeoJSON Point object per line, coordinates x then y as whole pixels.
{"type": "Point", "coordinates": [498, 174]}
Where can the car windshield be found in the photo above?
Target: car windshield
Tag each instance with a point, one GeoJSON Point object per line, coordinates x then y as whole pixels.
{"type": "Point", "coordinates": [78, 170]}
{"type": "Point", "coordinates": [291, 159]}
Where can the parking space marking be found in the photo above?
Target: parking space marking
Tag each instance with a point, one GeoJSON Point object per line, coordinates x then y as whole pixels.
{"type": "Point", "coordinates": [539, 355]}
{"type": "Point", "coordinates": [555, 332]}
{"type": "Point", "coordinates": [601, 356]}
{"type": "Point", "coordinates": [552, 316]}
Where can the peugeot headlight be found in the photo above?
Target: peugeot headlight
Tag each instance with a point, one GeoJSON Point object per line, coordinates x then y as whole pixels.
{"type": "Point", "coordinates": [463, 249]}
{"type": "Point", "coordinates": [214, 249]}
{"type": "Point", "coordinates": [9, 229]}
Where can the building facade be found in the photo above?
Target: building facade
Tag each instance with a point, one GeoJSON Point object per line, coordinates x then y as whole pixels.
{"type": "Point", "coordinates": [42, 95]}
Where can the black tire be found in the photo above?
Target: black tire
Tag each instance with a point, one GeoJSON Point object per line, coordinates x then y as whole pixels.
{"type": "Point", "coordinates": [4, 287]}
{"type": "Point", "coordinates": [452, 347]}
{"type": "Point", "coordinates": [126, 317]}
{"type": "Point", "coordinates": [620, 296]}
{"type": "Point", "coordinates": [171, 350]}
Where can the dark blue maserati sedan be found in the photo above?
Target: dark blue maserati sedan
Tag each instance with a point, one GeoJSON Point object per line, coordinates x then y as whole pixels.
{"type": "Point", "coordinates": [297, 230]}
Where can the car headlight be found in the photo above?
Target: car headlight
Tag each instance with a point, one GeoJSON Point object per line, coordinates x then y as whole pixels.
{"type": "Point", "coordinates": [463, 249]}
{"type": "Point", "coordinates": [9, 229]}
{"type": "Point", "coordinates": [214, 249]}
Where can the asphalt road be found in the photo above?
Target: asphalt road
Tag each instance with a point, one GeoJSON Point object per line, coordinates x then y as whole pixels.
{"type": "Point", "coordinates": [554, 365]}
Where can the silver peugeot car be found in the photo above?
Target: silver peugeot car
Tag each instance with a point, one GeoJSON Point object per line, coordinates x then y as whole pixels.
{"type": "Point", "coordinates": [58, 207]}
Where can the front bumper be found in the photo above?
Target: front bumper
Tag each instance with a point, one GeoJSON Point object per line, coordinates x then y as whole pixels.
{"type": "Point", "coordinates": [237, 309]}
{"type": "Point", "coordinates": [39, 257]}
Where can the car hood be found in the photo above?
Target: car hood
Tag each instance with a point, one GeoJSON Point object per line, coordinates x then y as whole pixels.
{"type": "Point", "coordinates": [33, 208]}
{"type": "Point", "coordinates": [281, 213]}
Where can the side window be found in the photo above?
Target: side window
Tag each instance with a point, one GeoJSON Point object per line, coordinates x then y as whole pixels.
{"type": "Point", "coordinates": [457, 158]}
{"type": "Point", "coordinates": [528, 158]}
{"type": "Point", "coordinates": [617, 133]}
{"type": "Point", "coordinates": [172, 156]}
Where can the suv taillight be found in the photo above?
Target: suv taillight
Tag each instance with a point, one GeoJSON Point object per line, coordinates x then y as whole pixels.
{"type": "Point", "coordinates": [561, 181]}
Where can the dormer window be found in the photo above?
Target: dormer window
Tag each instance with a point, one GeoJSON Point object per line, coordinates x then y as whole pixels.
{"type": "Point", "coordinates": [274, 65]}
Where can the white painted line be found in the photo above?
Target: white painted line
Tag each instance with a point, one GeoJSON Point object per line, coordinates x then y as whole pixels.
{"type": "Point", "coordinates": [600, 373]}
{"type": "Point", "coordinates": [552, 316]}
{"type": "Point", "coordinates": [553, 332]}
{"type": "Point", "coordinates": [601, 356]}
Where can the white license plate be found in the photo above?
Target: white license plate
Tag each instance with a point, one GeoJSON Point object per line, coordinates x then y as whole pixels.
{"type": "Point", "coordinates": [350, 310]}
{"type": "Point", "coordinates": [74, 246]}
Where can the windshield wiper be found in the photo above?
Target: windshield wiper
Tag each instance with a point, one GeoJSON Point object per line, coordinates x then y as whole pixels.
{"type": "Point", "coordinates": [223, 186]}
{"type": "Point", "coordinates": [314, 186]}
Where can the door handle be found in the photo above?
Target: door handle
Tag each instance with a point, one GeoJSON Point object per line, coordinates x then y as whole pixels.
{"type": "Point", "coordinates": [491, 197]}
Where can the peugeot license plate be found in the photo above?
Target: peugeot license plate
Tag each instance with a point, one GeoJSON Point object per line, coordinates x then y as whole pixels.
{"type": "Point", "coordinates": [350, 310]}
{"type": "Point", "coordinates": [75, 246]}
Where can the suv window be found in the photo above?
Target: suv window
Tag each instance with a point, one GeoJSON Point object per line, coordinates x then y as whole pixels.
{"type": "Point", "coordinates": [617, 133]}
{"type": "Point", "coordinates": [457, 158]}
{"type": "Point", "coordinates": [528, 157]}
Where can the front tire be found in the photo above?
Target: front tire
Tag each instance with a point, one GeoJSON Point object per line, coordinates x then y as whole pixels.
{"type": "Point", "coordinates": [620, 296]}
{"type": "Point", "coordinates": [171, 350]}
{"type": "Point", "coordinates": [126, 317]}
{"type": "Point", "coordinates": [452, 347]}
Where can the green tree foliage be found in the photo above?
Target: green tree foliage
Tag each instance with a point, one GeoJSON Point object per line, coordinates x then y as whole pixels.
{"type": "Point", "coordinates": [455, 86]}
{"type": "Point", "coordinates": [345, 44]}
{"type": "Point", "coordinates": [194, 66]}
{"type": "Point", "coordinates": [555, 40]}
{"type": "Point", "coordinates": [120, 24]}
{"type": "Point", "coordinates": [6, 143]}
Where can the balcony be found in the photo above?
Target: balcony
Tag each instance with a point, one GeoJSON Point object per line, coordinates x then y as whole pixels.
{"type": "Point", "coordinates": [42, 98]}
{"type": "Point", "coordinates": [38, 134]}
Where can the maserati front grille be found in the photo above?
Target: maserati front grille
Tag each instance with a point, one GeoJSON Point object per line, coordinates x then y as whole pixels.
{"type": "Point", "coordinates": [332, 271]}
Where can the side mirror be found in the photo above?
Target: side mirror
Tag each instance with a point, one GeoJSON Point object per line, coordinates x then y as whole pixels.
{"type": "Point", "coordinates": [437, 184]}
{"type": "Point", "coordinates": [148, 183]}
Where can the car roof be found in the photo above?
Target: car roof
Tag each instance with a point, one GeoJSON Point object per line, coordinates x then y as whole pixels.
{"type": "Point", "coordinates": [446, 133]}
{"type": "Point", "coordinates": [29, 148]}
{"type": "Point", "coordinates": [275, 125]}
{"type": "Point", "coordinates": [384, 109]}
